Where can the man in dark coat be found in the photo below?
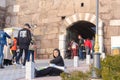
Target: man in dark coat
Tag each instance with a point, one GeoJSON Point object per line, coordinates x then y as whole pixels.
{"type": "Point", "coordinates": [24, 39]}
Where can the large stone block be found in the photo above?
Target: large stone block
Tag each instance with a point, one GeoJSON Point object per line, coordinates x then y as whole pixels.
{"type": "Point", "coordinates": [36, 19]}
{"type": "Point", "coordinates": [24, 19]}
{"type": "Point", "coordinates": [51, 20]}
{"type": "Point", "coordinates": [55, 43]}
{"type": "Point", "coordinates": [46, 43]}
{"type": "Point", "coordinates": [107, 41]}
{"type": "Point", "coordinates": [49, 51]}
{"type": "Point", "coordinates": [84, 8]}
{"type": "Point", "coordinates": [14, 20]}
{"type": "Point", "coordinates": [42, 51]}
{"type": "Point", "coordinates": [39, 31]}
{"type": "Point", "coordinates": [104, 7]}
{"type": "Point", "coordinates": [64, 9]}
{"type": "Point", "coordinates": [51, 29]}
{"type": "Point", "coordinates": [52, 36]}
{"type": "Point", "coordinates": [106, 16]}
{"type": "Point", "coordinates": [115, 5]}
{"type": "Point", "coordinates": [113, 31]}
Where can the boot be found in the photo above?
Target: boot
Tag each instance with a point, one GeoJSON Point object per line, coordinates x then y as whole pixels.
{"type": "Point", "coordinates": [1, 67]}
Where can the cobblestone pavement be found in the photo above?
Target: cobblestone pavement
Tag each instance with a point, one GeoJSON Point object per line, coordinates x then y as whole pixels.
{"type": "Point", "coordinates": [15, 72]}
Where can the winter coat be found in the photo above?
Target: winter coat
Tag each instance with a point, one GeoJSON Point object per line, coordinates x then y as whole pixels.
{"type": "Point", "coordinates": [88, 44]}
{"type": "Point", "coordinates": [3, 36]}
{"type": "Point", "coordinates": [14, 47]}
{"type": "Point", "coordinates": [24, 38]}
{"type": "Point", "coordinates": [58, 61]}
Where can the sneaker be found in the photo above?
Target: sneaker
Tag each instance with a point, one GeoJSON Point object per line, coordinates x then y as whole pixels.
{"type": "Point", "coordinates": [23, 67]}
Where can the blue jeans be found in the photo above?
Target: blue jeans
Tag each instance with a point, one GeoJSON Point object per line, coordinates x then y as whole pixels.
{"type": "Point", "coordinates": [1, 54]}
{"type": "Point", "coordinates": [30, 52]}
{"type": "Point", "coordinates": [81, 56]}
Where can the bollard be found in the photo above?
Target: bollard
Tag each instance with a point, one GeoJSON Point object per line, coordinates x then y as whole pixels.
{"type": "Point", "coordinates": [76, 61]}
{"type": "Point", "coordinates": [88, 59]}
{"type": "Point", "coordinates": [29, 70]}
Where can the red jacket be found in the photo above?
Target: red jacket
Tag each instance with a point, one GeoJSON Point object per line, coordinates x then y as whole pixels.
{"type": "Point", "coordinates": [14, 47]}
{"type": "Point", "coordinates": [88, 43]}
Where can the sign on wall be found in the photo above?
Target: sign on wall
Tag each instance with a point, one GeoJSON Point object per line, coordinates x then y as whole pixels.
{"type": "Point", "coordinates": [3, 3]}
{"type": "Point", "coordinates": [16, 8]}
{"type": "Point", "coordinates": [115, 42]}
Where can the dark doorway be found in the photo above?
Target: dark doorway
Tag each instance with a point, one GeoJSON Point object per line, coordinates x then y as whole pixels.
{"type": "Point", "coordinates": [84, 28]}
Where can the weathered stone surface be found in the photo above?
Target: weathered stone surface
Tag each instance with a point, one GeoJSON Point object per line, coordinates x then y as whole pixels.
{"type": "Point", "coordinates": [49, 50]}
{"type": "Point", "coordinates": [52, 28]}
{"type": "Point", "coordinates": [47, 14]}
{"type": "Point", "coordinates": [65, 10]}
{"type": "Point", "coordinates": [85, 8]}
{"type": "Point", "coordinates": [104, 7]}
{"type": "Point", "coordinates": [106, 16]}
{"type": "Point", "coordinates": [113, 31]}
{"type": "Point", "coordinates": [42, 51]}
{"type": "Point", "coordinates": [52, 36]}
{"type": "Point", "coordinates": [8, 20]}
{"type": "Point", "coordinates": [51, 20]}
{"type": "Point", "coordinates": [55, 43]}
{"type": "Point", "coordinates": [40, 30]}
{"type": "Point", "coordinates": [14, 21]}
{"type": "Point", "coordinates": [46, 43]}
{"type": "Point", "coordinates": [115, 8]}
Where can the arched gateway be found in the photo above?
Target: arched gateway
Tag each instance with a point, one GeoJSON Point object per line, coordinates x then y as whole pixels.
{"type": "Point", "coordinates": [81, 17]}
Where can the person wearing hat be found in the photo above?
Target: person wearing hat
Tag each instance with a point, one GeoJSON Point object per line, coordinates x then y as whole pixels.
{"type": "Point", "coordinates": [3, 36]}
{"type": "Point", "coordinates": [24, 39]}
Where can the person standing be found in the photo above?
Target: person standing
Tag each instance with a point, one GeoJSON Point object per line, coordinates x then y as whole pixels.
{"type": "Point", "coordinates": [24, 39]}
{"type": "Point", "coordinates": [3, 36]}
{"type": "Point", "coordinates": [74, 48]}
{"type": "Point", "coordinates": [13, 49]}
{"type": "Point", "coordinates": [31, 50]}
{"type": "Point", "coordinates": [88, 46]}
{"type": "Point", "coordinates": [81, 47]}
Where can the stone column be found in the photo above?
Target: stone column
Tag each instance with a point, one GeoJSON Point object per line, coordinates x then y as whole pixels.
{"type": "Point", "coordinates": [62, 44]}
{"type": "Point", "coordinates": [100, 34]}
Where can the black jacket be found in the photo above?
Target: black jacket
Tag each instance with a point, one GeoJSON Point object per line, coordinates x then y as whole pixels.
{"type": "Point", "coordinates": [58, 61]}
{"type": "Point", "coordinates": [24, 38]}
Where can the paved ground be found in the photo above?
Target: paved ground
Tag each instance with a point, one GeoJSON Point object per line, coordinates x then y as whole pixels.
{"type": "Point", "coordinates": [17, 73]}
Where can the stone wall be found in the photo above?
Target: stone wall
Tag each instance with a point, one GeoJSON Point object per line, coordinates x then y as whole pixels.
{"type": "Point", "coordinates": [48, 15]}
{"type": "Point", "coordinates": [2, 17]}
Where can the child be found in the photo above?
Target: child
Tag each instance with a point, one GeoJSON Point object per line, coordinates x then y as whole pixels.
{"type": "Point", "coordinates": [13, 49]}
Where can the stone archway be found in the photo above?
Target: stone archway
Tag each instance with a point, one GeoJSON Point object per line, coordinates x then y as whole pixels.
{"type": "Point", "coordinates": [78, 17]}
